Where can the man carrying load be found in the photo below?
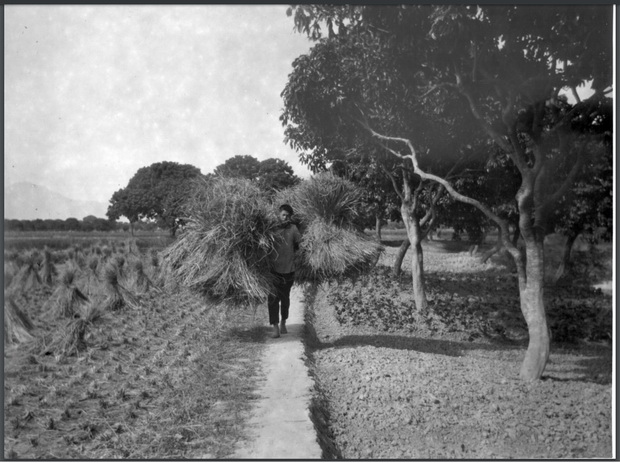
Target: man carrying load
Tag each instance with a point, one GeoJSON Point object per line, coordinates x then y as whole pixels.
{"type": "Point", "coordinates": [283, 269]}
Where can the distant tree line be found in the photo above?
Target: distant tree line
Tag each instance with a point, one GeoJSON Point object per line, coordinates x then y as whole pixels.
{"type": "Point", "coordinates": [87, 224]}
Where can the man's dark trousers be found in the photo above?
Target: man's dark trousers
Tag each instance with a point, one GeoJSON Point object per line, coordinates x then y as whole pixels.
{"type": "Point", "coordinates": [280, 300]}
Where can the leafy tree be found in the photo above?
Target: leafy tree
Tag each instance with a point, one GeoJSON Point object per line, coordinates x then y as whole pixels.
{"type": "Point", "coordinates": [39, 225]}
{"type": "Point", "coordinates": [59, 224]}
{"type": "Point", "coordinates": [491, 179]}
{"type": "Point", "coordinates": [587, 210]}
{"type": "Point", "coordinates": [125, 202]}
{"type": "Point", "coordinates": [13, 225]}
{"type": "Point", "coordinates": [72, 224]}
{"type": "Point", "coordinates": [380, 200]}
{"type": "Point", "coordinates": [49, 224]}
{"type": "Point", "coordinates": [89, 219]}
{"type": "Point", "coordinates": [239, 166]}
{"type": "Point", "coordinates": [155, 192]}
{"type": "Point", "coordinates": [88, 223]}
{"type": "Point", "coordinates": [329, 94]}
{"type": "Point", "coordinates": [272, 174]}
{"type": "Point", "coordinates": [27, 225]}
{"type": "Point", "coordinates": [276, 174]}
{"type": "Point", "coordinates": [508, 67]}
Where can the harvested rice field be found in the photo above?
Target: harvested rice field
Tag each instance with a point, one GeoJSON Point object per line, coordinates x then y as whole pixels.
{"type": "Point", "coordinates": [112, 361]}
{"type": "Point", "coordinates": [148, 372]}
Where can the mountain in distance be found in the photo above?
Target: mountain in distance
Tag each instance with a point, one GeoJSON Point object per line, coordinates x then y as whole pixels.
{"type": "Point", "coordinates": [27, 201]}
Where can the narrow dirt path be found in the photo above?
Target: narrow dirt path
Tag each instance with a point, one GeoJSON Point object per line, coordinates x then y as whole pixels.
{"type": "Point", "coordinates": [280, 424]}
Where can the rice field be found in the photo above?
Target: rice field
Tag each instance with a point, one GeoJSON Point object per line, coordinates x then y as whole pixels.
{"type": "Point", "coordinates": [144, 347]}
{"type": "Point", "coordinates": [23, 241]}
{"type": "Point", "coordinates": [106, 359]}
{"type": "Point", "coordinates": [141, 347]}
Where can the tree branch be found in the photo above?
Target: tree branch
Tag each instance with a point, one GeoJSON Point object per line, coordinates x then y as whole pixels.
{"type": "Point", "coordinates": [501, 223]}
{"type": "Point", "coordinates": [427, 176]}
{"type": "Point", "coordinates": [431, 213]}
{"type": "Point", "coordinates": [517, 154]}
{"type": "Point", "coordinates": [393, 180]}
{"type": "Point", "coordinates": [575, 94]}
{"type": "Point", "coordinates": [416, 195]}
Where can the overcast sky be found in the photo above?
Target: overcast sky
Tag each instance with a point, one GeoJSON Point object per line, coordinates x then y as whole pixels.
{"type": "Point", "coordinates": [93, 92]}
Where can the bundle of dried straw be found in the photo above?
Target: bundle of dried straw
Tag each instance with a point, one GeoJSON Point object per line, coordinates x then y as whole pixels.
{"type": "Point", "coordinates": [329, 251]}
{"type": "Point", "coordinates": [17, 325]}
{"type": "Point", "coordinates": [324, 196]}
{"type": "Point", "coordinates": [66, 299]}
{"type": "Point", "coordinates": [117, 296]}
{"type": "Point", "coordinates": [331, 246]}
{"type": "Point", "coordinates": [222, 253]}
{"type": "Point", "coordinates": [28, 277]}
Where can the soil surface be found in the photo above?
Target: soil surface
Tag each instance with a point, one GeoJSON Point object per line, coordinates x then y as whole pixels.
{"type": "Point", "coordinates": [394, 391]}
{"type": "Point", "coordinates": [164, 380]}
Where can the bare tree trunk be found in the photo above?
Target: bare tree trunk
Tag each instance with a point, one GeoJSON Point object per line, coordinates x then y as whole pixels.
{"type": "Point", "coordinates": [565, 264]}
{"type": "Point", "coordinates": [400, 257]}
{"type": "Point", "coordinates": [533, 309]}
{"type": "Point", "coordinates": [378, 227]}
{"type": "Point", "coordinates": [531, 270]}
{"type": "Point", "coordinates": [417, 274]}
{"type": "Point", "coordinates": [417, 259]}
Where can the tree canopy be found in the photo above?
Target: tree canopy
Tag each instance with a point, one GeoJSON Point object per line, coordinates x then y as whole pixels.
{"type": "Point", "coordinates": [272, 174]}
{"type": "Point", "coordinates": [427, 81]}
{"type": "Point", "coordinates": [155, 192]}
{"type": "Point", "coordinates": [276, 174]}
{"type": "Point", "coordinates": [242, 166]}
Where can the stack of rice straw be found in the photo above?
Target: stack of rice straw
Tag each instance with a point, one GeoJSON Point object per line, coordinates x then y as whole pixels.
{"type": "Point", "coordinates": [224, 251]}
{"type": "Point", "coordinates": [332, 247]}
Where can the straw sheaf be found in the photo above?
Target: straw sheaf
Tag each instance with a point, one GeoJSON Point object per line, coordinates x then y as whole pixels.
{"type": "Point", "coordinates": [142, 282]}
{"type": "Point", "coordinates": [67, 340]}
{"type": "Point", "coordinates": [17, 325]}
{"type": "Point", "coordinates": [326, 207]}
{"type": "Point", "coordinates": [117, 296]}
{"type": "Point", "coordinates": [27, 278]}
{"type": "Point", "coordinates": [65, 301]}
{"type": "Point", "coordinates": [324, 196]}
{"type": "Point", "coordinates": [223, 251]}
{"type": "Point", "coordinates": [328, 251]}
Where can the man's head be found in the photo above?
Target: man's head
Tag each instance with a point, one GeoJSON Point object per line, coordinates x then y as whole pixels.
{"type": "Point", "coordinates": [285, 212]}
